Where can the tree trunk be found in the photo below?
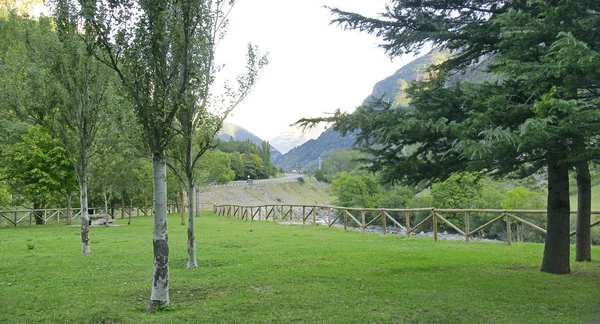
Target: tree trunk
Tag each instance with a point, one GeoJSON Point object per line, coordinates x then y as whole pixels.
{"type": "Point", "coordinates": [557, 245]}
{"type": "Point", "coordinates": [197, 199]}
{"type": "Point", "coordinates": [38, 214]}
{"type": "Point", "coordinates": [106, 199]}
{"type": "Point", "coordinates": [85, 219]}
{"type": "Point", "coordinates": [69, 209]}
{"type": "Point", "coordinates": [122, 206]}
{"type": "Point", "coordinates": [191, 237]}
{"type": "Point", "coordinates": [182, 204]}
{"type": "Point", "coordinates": [584, 208]}
{"type": "Point", "coordinates": [130, 211]}
{"type": "Point", "coordinates": [160, 278]}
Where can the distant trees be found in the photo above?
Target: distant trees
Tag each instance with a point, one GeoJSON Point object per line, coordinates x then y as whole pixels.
{"type": "Point", "coordinates": [356, 189]}
{"type": "Point", "coordinates": [247, 159]}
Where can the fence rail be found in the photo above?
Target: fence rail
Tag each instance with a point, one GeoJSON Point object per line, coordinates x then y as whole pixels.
{"type": "Point", "coordinates": [517, 222]}
{"type": "Point", "coordinates": [57, 215]}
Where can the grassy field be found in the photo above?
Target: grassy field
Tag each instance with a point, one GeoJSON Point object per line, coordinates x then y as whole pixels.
{"type": "Point", "coordinates": [257, 272]}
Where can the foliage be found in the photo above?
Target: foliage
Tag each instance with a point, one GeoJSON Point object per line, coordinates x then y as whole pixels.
{"type": "Point", "coordinates": [214, 167]}
{"type": "Point", "coordinates": [340, 160]}
{"type": "Point", "coordinates": [237, 165]}
{"type": "Point", "coordinates": [356, 190]}
{"type": "Point", "coordinates": [38, 170]}
{"type": "Point", "coordinates": [247, 159]}
{"type": "Point", "coordinates": [460, 190]}
{"type": "Point", "coordinates": [397, 197]}
{"type": "Point", "coordinates": [545, 53]}
{"type": "Point", "coordinates": [321, 176]}
{"type": "Point", "coordinates": [516, 198]}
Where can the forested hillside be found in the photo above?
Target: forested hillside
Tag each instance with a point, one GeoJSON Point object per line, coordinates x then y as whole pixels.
{"type": "Point", "coordinates": [241, 134]}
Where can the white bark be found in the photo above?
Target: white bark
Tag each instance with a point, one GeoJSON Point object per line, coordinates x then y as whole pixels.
{"type": "Point", "coordinates": [191, 241]}
{"type": "Point", "coordinates": [160, 278]}
{"type": "Point", "coordinates": [69, 209]}
{"type": "Point", "coordinates": [85, 219]}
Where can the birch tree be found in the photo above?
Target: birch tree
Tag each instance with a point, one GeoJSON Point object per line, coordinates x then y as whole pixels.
{"type": "Point", "coordinates": [198, 124]}
{"type": "Point", "coordinates": [154, 46]}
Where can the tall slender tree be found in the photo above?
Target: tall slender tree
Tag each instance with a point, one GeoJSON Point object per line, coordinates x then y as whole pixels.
{"type": "Point", "coordinates": [161, 50]}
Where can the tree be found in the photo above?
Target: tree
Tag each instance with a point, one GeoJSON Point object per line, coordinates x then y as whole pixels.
{"type": "Point", "coordinates": [341, 160]}
{"type": "Point", "coordinates": [356, 190]}
{"type": "Point", "coordinates": [265, 156]}
{"type": "Point", "coordinates": [71, 89]}
{"type": "Point", "coordinates": [237, 165]}
{"type": "Point", "coordinates": [157, 48]}
{"type": "Point", "coordinates": [195, 123]}
{"type": "Point", "coordinates": [214, 167]}
{"type": "Point", "coordinates": [516, 198]}
{"type": "Point", "coordinates": [37, 169]}
{"type": "Point", "coordinates": [522, 124]}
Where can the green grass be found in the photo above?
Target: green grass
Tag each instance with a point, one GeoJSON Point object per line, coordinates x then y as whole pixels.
{"type": "Point", "coordinates": [257, 272]}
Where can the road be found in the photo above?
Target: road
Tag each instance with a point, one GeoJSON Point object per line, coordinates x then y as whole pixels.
{"type": "Point", "coordinates": [287, 177]}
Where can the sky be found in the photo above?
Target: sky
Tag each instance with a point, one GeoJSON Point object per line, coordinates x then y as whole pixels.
{"type": "Point", "coordinates": [314, 67]}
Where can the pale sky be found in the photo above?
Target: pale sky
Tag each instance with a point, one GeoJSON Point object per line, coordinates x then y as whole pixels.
{"type": "Point", "coordinates": [314, 67]}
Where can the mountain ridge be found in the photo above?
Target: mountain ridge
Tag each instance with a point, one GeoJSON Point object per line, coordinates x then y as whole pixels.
{"type": "Point", "coordinates": [306, 156]}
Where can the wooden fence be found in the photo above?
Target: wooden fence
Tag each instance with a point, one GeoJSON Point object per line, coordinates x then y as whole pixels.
{"type": "Point", "coordinates": [58, 215]}
{"type": "Point", "coordinates": [467, 222]}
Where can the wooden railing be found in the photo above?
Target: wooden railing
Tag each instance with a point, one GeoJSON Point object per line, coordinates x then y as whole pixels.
{"type": "Point", "coordinates": [58, 215]}
{"type": "Point", "coordinates": [362, 218]}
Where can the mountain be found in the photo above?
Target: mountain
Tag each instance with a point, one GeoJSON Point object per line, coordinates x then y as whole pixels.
{"type": "Point", "coordinates": [295, 136]}
{"type": "Point", "coordinates": [306, 156]}
{"type": "Point", "coordinates": [240, 134]}
{"type": "Point", "coordinates": [391, 88]}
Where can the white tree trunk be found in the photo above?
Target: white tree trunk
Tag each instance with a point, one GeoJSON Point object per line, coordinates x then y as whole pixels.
{"type": "Point", "coordinates": [191, 238]}
{"type": "Point", "coordinates": [197, 198]}
{"type": "Point", "coordinates": [85, 219]}
{"type": "Point", "coordinates": [69, 209]}
{"type": "Point", "coordinates": [160, 278]}
{"type": "Point", "coordinates": [106, 198]}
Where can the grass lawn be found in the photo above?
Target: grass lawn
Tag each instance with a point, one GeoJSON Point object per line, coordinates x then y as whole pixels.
{"type": "Point", "coordinates": [257, 272]}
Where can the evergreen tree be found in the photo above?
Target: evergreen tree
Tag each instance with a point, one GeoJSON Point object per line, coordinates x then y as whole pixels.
{"type": "Point", "coordinates": [542, 114]}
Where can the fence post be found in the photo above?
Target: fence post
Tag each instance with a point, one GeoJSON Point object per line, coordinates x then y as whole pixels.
{"type": "Point", "coordinates": [406, 214]}
{"type": "Point", "coordinates": [362, 214]}
{"type": "Point", "coordinates": [384, 223]}
{"type": "Point", "coordinates": [303, 215]}
{"type": "Point", "coordinates": [314, 211]}
{"type": "Point", "coordinates": [508, 229]}
{"type": "Point", "coordinates": [435, 225]}
{"type": "Point", "coordinates": [467, 226]}
{"type": "Point", "coordinates": [345, 220]}
{"type": "Point", "coordinates": [45, 216]}
{"type": "Point", "coordinates": [30, 214]}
